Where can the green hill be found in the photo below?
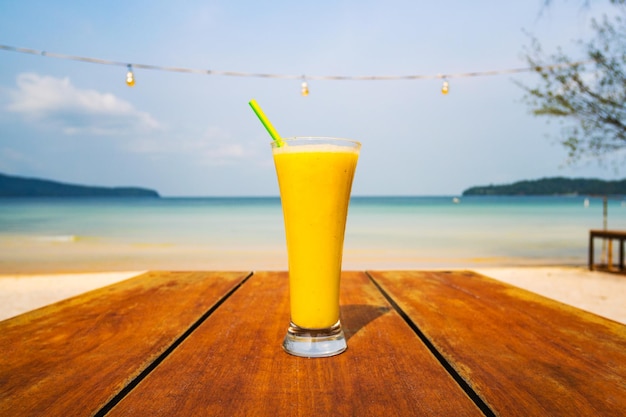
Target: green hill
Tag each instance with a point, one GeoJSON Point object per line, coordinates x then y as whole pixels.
{"type": "Point", "coordinates": [553, 186]}
{"type": "Point", "coordinates": [12, 186]}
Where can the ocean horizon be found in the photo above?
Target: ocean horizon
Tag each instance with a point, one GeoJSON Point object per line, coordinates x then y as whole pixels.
{"type": "Point", "coordinates": [247, 233]}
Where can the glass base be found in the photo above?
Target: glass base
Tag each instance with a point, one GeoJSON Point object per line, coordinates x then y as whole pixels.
{"type": "Point", "coordinates": [314, 343]}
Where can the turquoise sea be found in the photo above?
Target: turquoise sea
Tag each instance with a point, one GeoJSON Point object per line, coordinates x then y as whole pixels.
{"type": "Point", "coordinates": [47, 235]}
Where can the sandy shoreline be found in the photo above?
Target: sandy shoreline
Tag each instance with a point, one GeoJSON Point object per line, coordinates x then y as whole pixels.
{"type": "Point", "coordinates": [598, 292]}
{"type": "Point", "coordinates": [25, 292]}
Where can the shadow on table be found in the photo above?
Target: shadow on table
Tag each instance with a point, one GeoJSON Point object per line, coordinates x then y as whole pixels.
{"type": "Point", "coordinates": [356, 316]}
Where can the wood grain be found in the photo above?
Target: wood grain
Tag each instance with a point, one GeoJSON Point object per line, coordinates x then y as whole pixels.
{"type": "Point", "coordinates": [522, 353]}
{"type": "Point", "coordinates": [70, 358]}
{"type": "Point", "coordinates": [234, 365]}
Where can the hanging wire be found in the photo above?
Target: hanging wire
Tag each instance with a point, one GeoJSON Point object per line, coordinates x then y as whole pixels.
{"type": "Point", "coordinates": [287, 76]}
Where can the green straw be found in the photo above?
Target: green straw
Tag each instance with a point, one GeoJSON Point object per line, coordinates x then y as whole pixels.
{"type": "Point", "coordinates": [263, 118]}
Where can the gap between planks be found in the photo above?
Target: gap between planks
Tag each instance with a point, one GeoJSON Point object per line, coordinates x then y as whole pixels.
{"type": "Point", "coordinates": [143, 374]}
{"type": "Point", "coordinates": [487, 411]}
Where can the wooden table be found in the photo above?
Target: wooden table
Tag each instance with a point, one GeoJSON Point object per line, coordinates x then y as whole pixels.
{"type": "Point", "coordinates": [609, 235]}
{"type": "Point", "coordinates": [209, 343]}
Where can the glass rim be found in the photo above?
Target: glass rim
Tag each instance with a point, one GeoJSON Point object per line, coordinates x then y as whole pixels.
{"type": "Point", "coordinates": [317, 139]}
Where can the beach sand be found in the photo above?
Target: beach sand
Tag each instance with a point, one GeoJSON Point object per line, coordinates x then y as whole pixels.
{"type": "Point", "coordinates": [22, 293]}
{"type": "Point", "coordinates": [602, 293]}
{"type": "Point", "coordinates": [599, 292]}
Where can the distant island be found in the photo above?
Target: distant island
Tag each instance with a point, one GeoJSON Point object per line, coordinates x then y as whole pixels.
{"type": "Point", "coordinates": [553, 186]}
{"type": "Point", "coordinates": [13, 186]}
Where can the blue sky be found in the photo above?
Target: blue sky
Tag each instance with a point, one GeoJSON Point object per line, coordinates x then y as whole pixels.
{"type": "Point", "coordinates": [194, 135]}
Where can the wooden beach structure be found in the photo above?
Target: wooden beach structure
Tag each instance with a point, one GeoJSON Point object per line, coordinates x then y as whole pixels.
{"type": "Point", "coordinates": [607, 236]}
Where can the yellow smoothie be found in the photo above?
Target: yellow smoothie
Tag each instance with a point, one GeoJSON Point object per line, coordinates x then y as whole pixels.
{"type": "Point", "coordinates": [315, 183]}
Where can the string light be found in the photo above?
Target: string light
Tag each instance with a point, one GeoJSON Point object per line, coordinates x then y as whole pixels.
{"type": "Point", "coordinates": [445, 87]}
{"type": "Point", "coordinates": [130, 77]}
{"type": "Point", "coordinates": [304, 88]}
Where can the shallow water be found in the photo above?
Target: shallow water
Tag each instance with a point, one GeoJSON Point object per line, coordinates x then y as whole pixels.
{"type": "Point", "coordinates": [247, 233]}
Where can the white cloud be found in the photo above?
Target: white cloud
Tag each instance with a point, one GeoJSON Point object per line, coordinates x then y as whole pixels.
{"type": "Point", "coordinates": [57, 102]}
{"type": "Point", "coordinates": [214, 147]}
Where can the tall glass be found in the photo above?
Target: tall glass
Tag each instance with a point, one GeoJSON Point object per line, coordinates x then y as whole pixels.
{"type": "Point", "coordinates": [315, 179]}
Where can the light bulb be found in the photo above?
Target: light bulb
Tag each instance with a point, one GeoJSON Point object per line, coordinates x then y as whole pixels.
{"type": "Point", "coordinates": [130, 77]}
{"type": "Point", "coordinates": [305, 89]}
{"type": "Point", "coordinates": [445, 87]}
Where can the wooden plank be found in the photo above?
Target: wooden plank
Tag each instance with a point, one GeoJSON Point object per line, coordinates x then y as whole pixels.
{"type": "Point", "coordinates": [591, 251]}
{"type": "Point", "coordinates": [522, 353]}
{"type": "Point", "coordinates": [234, 364]}
{"type": "Point", "coordinates": [610, 234]}
{"type": "Point", "coordinates": [70, 358]}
